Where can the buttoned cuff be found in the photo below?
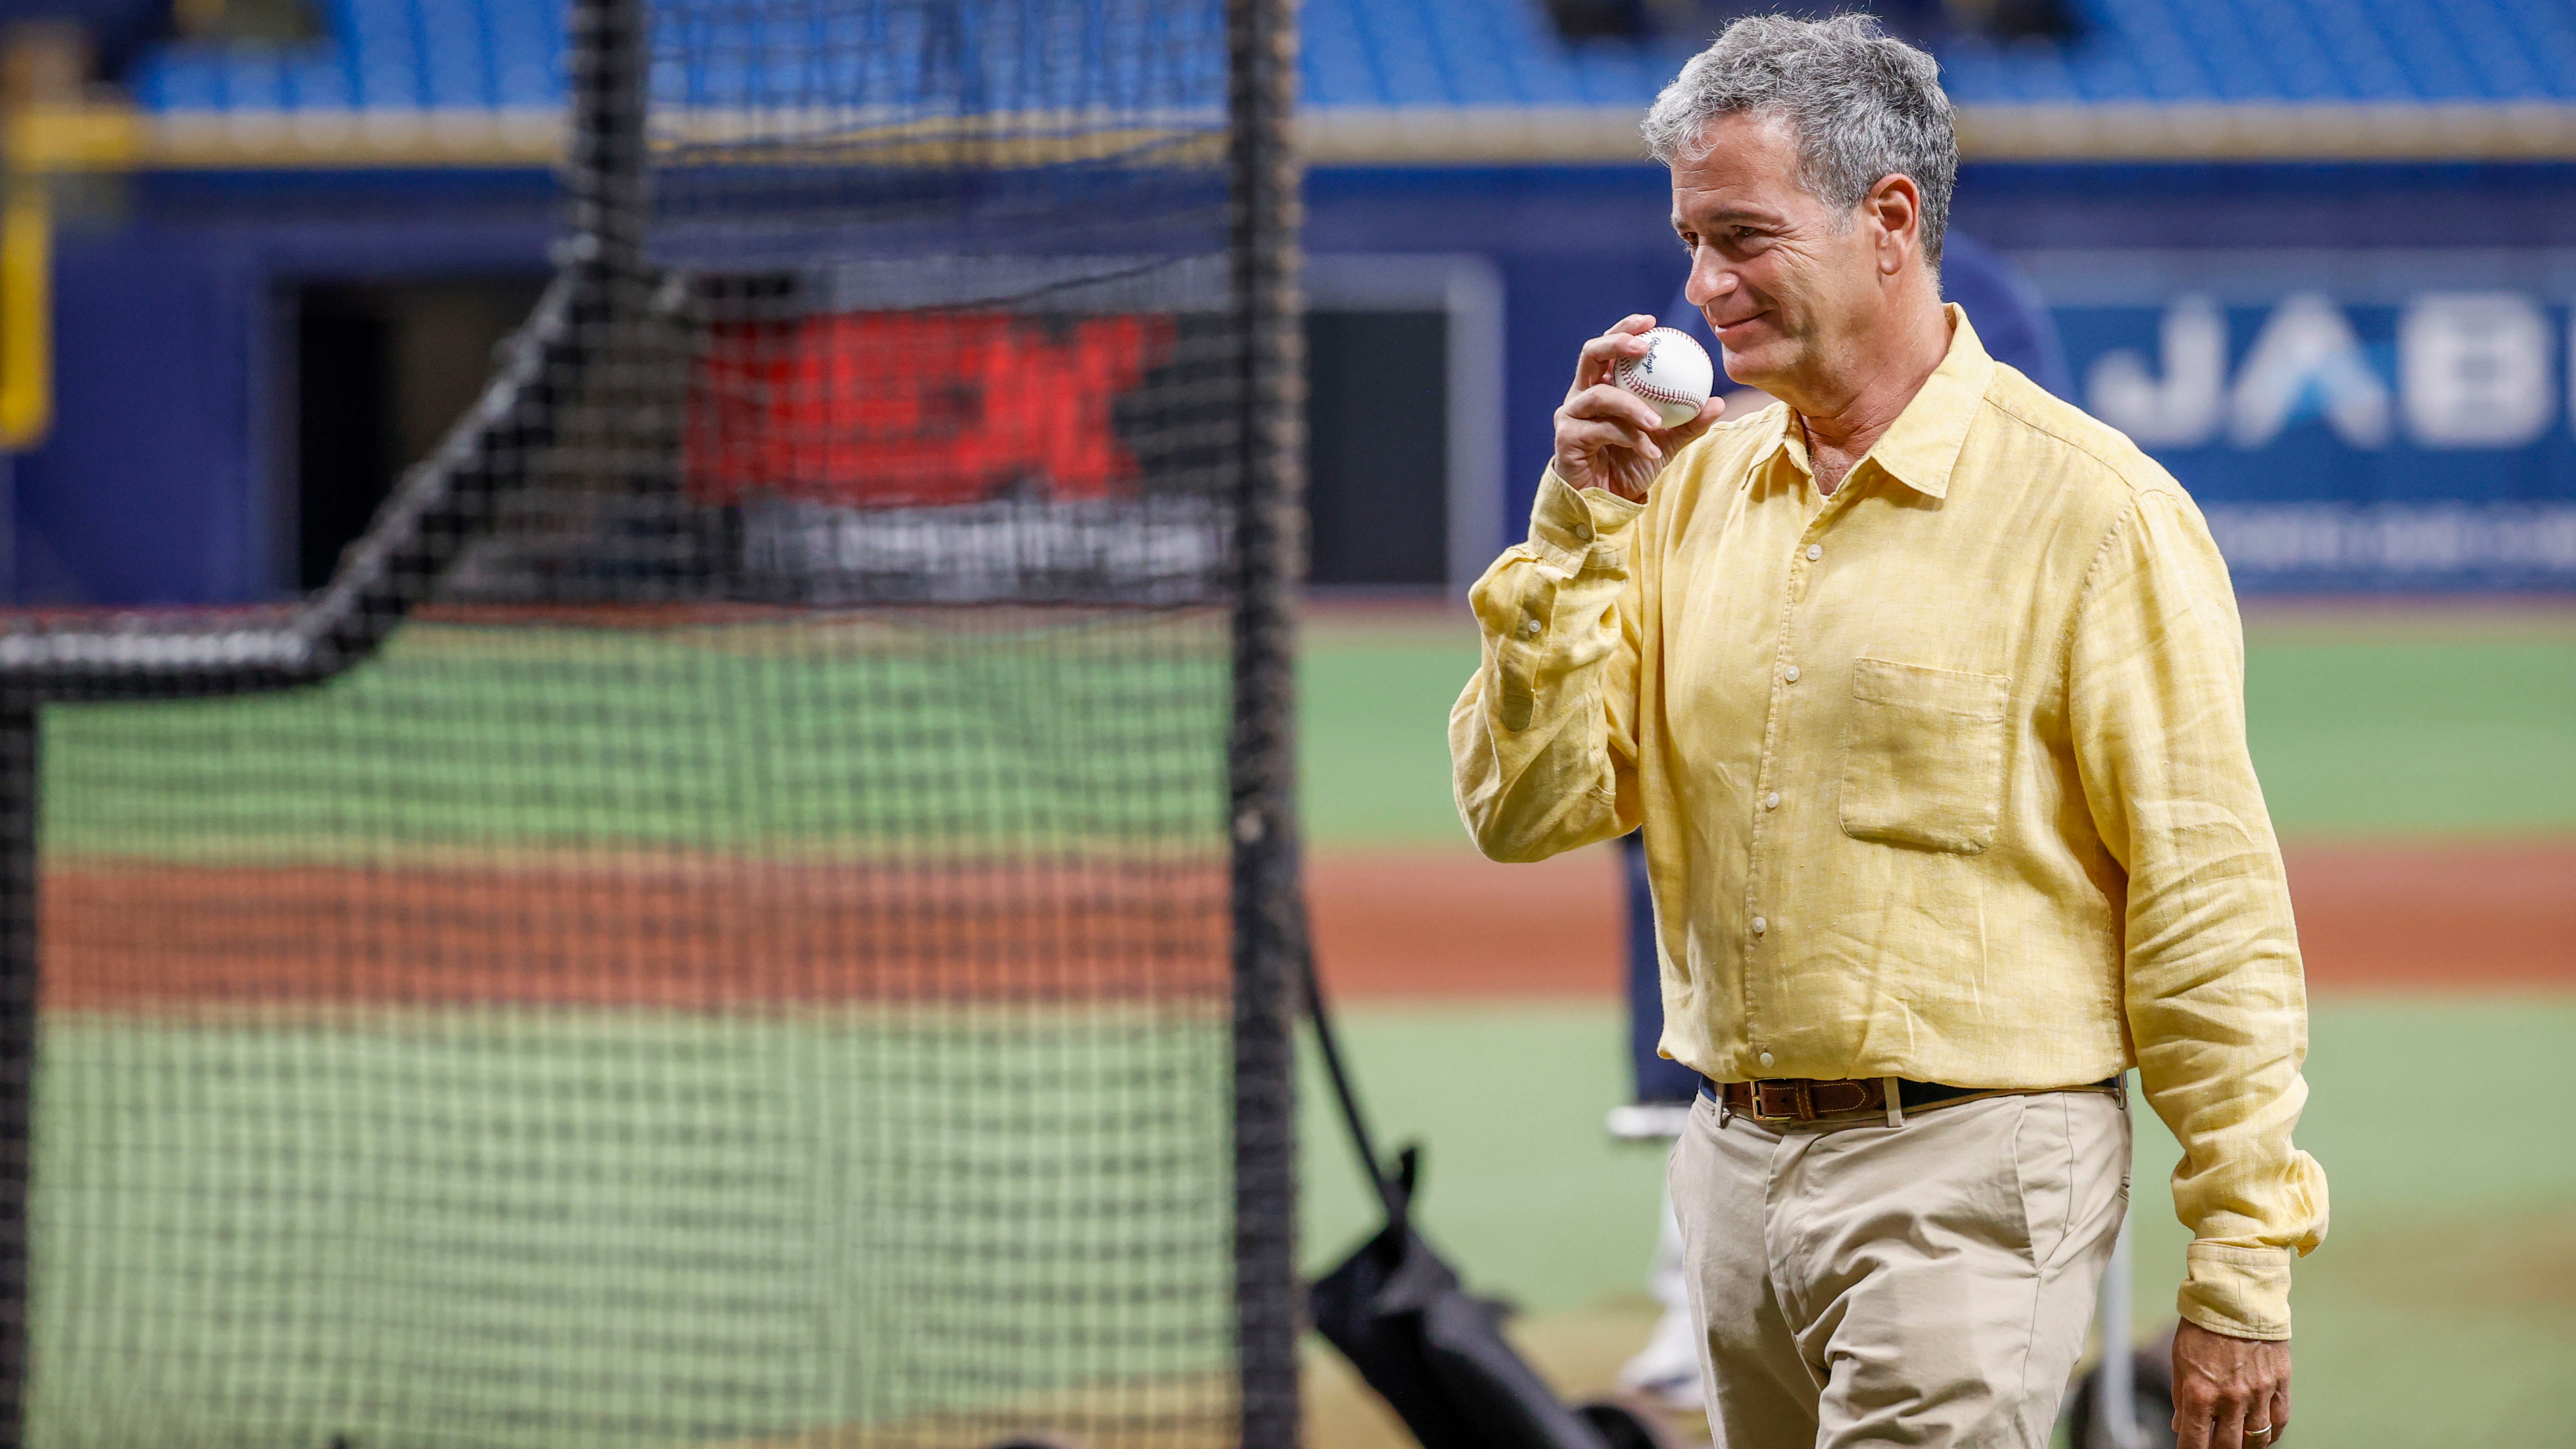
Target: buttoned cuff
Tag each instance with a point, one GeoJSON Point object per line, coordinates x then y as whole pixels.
{"type": "Point", "coordinates": [2240, 1292]}
{"type": "Point", "coordinates": [1565, 524]}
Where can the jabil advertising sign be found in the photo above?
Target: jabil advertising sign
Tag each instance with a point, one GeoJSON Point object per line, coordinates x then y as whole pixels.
{"type": "Point", "coordinates": [2366, 421]}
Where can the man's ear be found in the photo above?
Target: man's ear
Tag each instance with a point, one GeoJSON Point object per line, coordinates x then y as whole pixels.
{"type": "Point", "coordinates": [1895, 209]}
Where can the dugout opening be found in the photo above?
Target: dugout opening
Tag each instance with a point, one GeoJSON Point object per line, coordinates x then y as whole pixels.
{"type": "Point", "coordinates": [1377, 507]}
{"type": "Point", "coordinates": [375, 373]}
{"type": "Point", "coordinates": [1404, 408]}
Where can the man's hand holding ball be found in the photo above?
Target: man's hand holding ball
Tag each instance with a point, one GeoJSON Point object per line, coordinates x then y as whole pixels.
{"type": "Point", "coordinates": [1617, 428]}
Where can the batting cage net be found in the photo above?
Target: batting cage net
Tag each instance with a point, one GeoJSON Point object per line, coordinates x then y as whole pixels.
{"type": "Point", "coordinates": [755, 908]}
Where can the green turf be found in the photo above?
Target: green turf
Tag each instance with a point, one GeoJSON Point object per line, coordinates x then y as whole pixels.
{"type": "Point", "coordinates": [481, 739]}
{"type": "Point", "coordinates": [1373, 739]}
{"type": "Point", "coordinates": [2442, 1309]}
{"type": "Point", "coordinates": [758, 738]}
{"type": "Point", "coordinates": [443, 1215]}
{"type": "Point", "coordinates": [314, 1228]}
{"type": "Point", "coordinates": [2420, 736]}
{"type": "Point", "coordinates": [546, 1229]}
{"type": "Point", "coordinates": [2351, 738]}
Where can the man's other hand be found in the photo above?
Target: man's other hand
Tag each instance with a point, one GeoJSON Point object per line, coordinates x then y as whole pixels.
{"type": "Point", "coordinates": [1607, 436]}
{"type": "Point", "coordinates": [2229, 1392]}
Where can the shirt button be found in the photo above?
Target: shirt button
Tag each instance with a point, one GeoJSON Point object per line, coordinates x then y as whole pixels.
{"type": "Point", "coordinates": [1760, 925]}
{"type": "Point", "coordinates": [1790, 674]}
{"type": "Point", "coordinates": [1766, 1059]}
{"type": "Point", "coordinates": [1583, 531]}
{"type": "Point", "coordinates": [1771, 801]}
{"type": "Point", "coordinates": [1529, 626]}
{"type": "Point", "coordinates": [1815, 551]}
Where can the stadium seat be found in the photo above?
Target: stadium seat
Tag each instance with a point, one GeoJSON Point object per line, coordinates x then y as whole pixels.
{"type": "Point", "coordinates": [406, 54]}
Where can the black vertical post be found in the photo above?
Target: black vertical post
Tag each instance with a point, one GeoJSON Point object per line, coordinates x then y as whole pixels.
{"type": "Point", "coordinates": [602, 274]}
{"type": "Point", "coordinates": [604, 157]}
{"type": "Point", "coordinates": [1268, 904]}
{"type": "Point", "coordinates": [17, 1050]}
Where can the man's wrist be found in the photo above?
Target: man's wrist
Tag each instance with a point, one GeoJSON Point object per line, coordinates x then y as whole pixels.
{"type": "Point", "coordinates": [2240, 1292]}
{"type": "Point", "coordinates": [1565, 523]}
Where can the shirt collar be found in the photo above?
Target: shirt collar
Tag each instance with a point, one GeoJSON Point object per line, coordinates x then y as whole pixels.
{"type": "Point", "coordinates": [1788, 440]}
{"type": "Point", "coordinates": [1921, 446]}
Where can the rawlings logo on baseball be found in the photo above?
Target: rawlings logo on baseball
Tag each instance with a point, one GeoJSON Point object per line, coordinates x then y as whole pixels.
{"type": "Point", "coordinates": [1675, 375]}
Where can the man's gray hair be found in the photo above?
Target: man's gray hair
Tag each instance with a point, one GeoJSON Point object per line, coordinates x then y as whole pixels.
{"type": "Point", "coordinates": [1862, 104]}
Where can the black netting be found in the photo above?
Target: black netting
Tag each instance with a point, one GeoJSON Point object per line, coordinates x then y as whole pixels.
{"type": "Point", "coordinates": [750, 911]}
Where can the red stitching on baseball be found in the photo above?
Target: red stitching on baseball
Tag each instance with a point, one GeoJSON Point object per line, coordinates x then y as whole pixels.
{"type": "Point", "coordinates": [1647, 390]}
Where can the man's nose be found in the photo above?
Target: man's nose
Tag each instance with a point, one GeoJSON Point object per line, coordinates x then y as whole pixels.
{"type": "Point", "coordinates": [1707, 283]}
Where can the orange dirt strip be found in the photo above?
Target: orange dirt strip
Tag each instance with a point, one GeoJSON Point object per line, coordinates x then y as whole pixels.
{"type": "Point", "coordinates": [129, 935]}
{"type": "Point", "coordinates": [1457, 925]}
{"type": "Point", "coordinates": [2489, 915]}
{"type": "Point", "coordinates": [143, 936]}
{"type": "Point", "coordinates": [1452, 925]}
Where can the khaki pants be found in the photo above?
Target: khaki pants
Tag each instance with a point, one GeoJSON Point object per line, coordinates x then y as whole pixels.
{"type": "Point", "coordinates": [1928, 1284]}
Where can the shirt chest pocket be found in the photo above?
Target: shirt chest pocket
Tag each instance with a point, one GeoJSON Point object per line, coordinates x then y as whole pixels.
{"type": "Point", "coordinates": [1923, 758]}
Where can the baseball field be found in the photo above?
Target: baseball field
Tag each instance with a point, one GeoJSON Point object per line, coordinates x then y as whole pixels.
{"type": "Point", "coordinates": [368, 1009]}
{"type": "Point", "coordinates": [2420, 763]}
{"type": "Point", "coordinates": [617, 1032]}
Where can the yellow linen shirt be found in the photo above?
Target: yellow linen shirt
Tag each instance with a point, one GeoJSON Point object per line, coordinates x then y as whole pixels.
{"type": "Point", "coordinates": [1941, 777]}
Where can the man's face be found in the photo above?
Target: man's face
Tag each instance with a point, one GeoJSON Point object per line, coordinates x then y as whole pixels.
{"type": "Point", "coordinates": [1782, 288]}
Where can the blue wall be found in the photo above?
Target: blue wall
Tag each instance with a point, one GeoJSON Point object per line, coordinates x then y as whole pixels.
{"type": "Point", "coordinates": [155, 484]}
{"type": "Point", "coordinates": [2113, 249]}
{"type": "Point", "coordinates": [154, 487]}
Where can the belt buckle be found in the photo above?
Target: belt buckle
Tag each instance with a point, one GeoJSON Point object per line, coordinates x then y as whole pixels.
{"type": "Point", "coordinates": [1801, 1103]}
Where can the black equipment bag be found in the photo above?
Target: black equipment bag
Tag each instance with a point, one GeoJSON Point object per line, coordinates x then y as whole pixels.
{"type": "Point", "coordinates": [1432, 1350]}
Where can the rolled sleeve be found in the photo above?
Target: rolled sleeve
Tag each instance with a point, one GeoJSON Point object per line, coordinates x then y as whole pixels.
{"type": "Point", "coordinates": [1542, 740]}
{"type": "Point", "coordinates": [1565, 525]}
{"type": "Point", "coordinates": [2215, 1001]}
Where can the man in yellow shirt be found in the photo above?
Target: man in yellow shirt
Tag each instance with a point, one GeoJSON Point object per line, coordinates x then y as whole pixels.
{"type": "Point", "coordinates": [1926, 690]}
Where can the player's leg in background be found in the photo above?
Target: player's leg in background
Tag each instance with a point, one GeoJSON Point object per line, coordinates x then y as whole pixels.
{"type": "Point", "coordinates": [1667, 1369]}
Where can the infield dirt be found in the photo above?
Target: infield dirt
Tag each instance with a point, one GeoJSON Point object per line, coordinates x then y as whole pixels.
{"type": "Point", "coordinates": [1413, 924]}
{"type": "Point", "coordinates": [1425, 924]}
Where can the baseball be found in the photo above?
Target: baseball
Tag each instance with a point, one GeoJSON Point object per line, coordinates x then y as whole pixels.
{"type": "Point", "coordinates": [1674, 375]}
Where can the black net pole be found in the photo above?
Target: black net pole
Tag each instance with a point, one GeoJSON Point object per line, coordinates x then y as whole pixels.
{"type": "Point", "coordinates": [17, 1048]}
{"type": "Point", "coordinates": [606, 151]}
{"type": "Point", "coordinates": [1267, 900]}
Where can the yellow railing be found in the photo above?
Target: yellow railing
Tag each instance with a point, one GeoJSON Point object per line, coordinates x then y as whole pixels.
{"type": "Point", "coordinates": [36, 142]}
{"type": "Point", "coordinates": [26, 314]}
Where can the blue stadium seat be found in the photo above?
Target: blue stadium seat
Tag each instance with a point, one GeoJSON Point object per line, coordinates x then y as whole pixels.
{"type": "Point", "coordinates": [1340, 69]}
{"type": "Point", "coordinates": [2361, 54]}
{"type": "Point", "coordinates": [317, 79]}
{"type": "Point", "coordinates": [2434, 60]}
{"type": "Point", "coordinates": [2300, 68]}
{"type": "Point", "coordinates": [455, 54]}
{"type": "Point", "coordinates": [383, 38]}
{"type": "Point", "coordinates": [527, 52]}
{"type": "Point", "coordinates": [2545, 30]}
{"type": "Point", "coordinates": [402, 54]}
{"type": "Point", "coordinates": [2109, 74]}
{"type": "Point", "coordinates": [1395, 34]}
{"type": "Point", "coordinates": [178, 78]}
{"type": "Point", "coordinates": [1483, 68]}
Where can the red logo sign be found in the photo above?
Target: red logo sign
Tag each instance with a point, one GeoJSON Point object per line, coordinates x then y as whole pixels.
{"type": "Point", "coordinates": [893, 408]}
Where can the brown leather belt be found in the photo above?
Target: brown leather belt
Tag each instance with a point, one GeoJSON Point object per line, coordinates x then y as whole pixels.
{"type": "Point", "coordinates": [1810, 1099]}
